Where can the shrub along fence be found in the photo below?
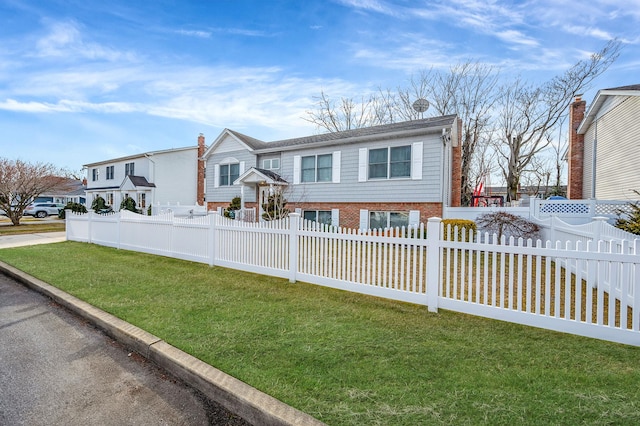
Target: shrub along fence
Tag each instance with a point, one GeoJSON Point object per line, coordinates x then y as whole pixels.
{"type": "Point", "coordinates": [588, 289]}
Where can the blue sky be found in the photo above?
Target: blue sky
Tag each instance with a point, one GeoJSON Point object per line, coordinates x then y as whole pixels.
{"type": "Point", "coordinates": [85, 80]}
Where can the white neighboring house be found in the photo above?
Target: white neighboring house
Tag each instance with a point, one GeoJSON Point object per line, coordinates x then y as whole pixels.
{"type": "Point", "coordinates": [168, 176]}
{"type": "Point", "coordinates": [604, 150]}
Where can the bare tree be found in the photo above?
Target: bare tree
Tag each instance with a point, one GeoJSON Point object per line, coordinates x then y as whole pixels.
{"type": "Point", "coordinates": [22, 182]}
{"type": "Point", "coordinates": [535, 180]}
{"type": "Point", "coordinates": [529, 114]}
{"type": "Point", "coordinates": [558, 151]}
{"type": "Point", "coordinates": [468, 90]}
{"type": "Point", "coordinates": [274, 206]}
{"type": "Point", "coordinates": [345, 114]}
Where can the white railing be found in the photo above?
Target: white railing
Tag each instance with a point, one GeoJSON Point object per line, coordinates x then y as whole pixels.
{"type": "Point", "coordinates": [178, 209]}
{"type": "Point", "coordinates": [549, 286]}
{"type": "Point", "coordinates": [245, 215]}
{"type": "Point", "coordinates": [571, 211]}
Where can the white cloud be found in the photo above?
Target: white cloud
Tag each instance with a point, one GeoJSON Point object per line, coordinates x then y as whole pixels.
{"type": "Point", "coordinates": [65, 40]}
{"type": "Point", "coordinates": [67, 106]}
{"type": "Point", "coordinates": [588, 31]}
{"type": "Point", "coordinates": [517, 38]}
{"type": "Point", "coordinates": [372, 5]}
{"type": "Point", "coordinates": [194, 33]}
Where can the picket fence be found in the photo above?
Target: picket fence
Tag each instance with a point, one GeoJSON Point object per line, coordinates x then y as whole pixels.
{"type": "Point", "coordinates": [585, 289]}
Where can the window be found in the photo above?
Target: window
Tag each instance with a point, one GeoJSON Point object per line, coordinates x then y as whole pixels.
{"type": "Point", "coordinates": [109, 199]}
{"type": "Point", "coordinates": [316, 168]}
{"type": "Point", "coordinates": [271, 164]}
{"type": "Point", "coordinates": [95, 173]}
{"type": "Point", "coordinates": [389, 163]}
{"type": "Point", "coordinates": [109, 172]}
{"type": "Point", "coordinates": [229, 173]}
{"type": "Point", "coordinates": [142, 200]}
{"type": "Point", "coordinates": [321, 216]}
{"type": "Point", "coordinates": [381, 220]}
{"type": "Point", "coordinates": [129, 169]}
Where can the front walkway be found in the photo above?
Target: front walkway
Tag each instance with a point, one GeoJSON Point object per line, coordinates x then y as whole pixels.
{"type": "Point", "coordinates": [19, 240]}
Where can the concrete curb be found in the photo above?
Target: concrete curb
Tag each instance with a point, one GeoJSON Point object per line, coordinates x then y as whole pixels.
{"type": "Point", "coordinates": [254, 406]}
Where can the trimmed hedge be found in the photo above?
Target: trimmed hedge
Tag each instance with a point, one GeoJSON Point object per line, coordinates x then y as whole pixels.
{"type": "Point", "coordinates": [463, 225]}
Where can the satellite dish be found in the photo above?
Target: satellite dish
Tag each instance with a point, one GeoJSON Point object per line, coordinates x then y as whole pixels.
{"type": "Point", "coordinates": [421, 105]}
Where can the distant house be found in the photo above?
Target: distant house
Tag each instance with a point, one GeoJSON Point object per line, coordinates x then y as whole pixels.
{"type": "Point", "coordinates": [604, 145]}
{"type": "Point", "coordinates": [390, 175]}
{"type": "Point", "coordinates": [73, 192]}
{"type": "Point", "coordinates": [168, 176]}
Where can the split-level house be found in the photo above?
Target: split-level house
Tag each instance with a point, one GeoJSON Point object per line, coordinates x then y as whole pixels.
{"type": "Point", "coordinates": [384, 176]}
{"type": "Point", "coordinates": [604, 145]}
{"type": "Point", "coordinates": [167, 176]}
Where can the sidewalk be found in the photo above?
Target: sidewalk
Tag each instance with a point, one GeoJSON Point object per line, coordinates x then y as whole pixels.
{"type": "Point", "coordinates": [7, 241]}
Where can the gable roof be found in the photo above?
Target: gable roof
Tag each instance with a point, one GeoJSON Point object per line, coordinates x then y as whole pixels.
{"type": "Point", "coordinates": [425, 125]}
{"type": "Point", "coordinates": [386, 131]}
{"type": "Point", "coordinates": [254, 175]}
{"type": "Point", "coordinates": [601, 96]}
{"type": "Point", "coordinates": [250, 143]}
{"type": "Point", "coordinates": [142, 155]}
{"type": "Point", "coordinates": [138, 181]}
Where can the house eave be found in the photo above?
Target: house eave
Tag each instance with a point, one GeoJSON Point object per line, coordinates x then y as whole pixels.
{"type": "Point", "coordinates": [358, 139]}
{"type": "Point", "coordinates": [258, 178]}
{"type": "Point", "coordinates": [594, 108]}
{"type": "Point", "coordinates": [138, 156]}
{"type": "Point", "coordinates": [221, 136]}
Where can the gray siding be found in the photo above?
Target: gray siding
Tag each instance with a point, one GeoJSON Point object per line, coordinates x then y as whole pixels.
{"type": "Point", "coordinates": [227, 193]}
{"type": "Point", "coordinates": [428, 189]}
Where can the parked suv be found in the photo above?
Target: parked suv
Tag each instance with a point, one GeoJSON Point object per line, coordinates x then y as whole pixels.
{"type": "Point", "coordinates": [43, 209]}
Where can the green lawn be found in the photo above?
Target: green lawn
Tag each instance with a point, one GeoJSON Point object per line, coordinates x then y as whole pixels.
{"type": "Point", "coordinates": [349, 359]}
{"type": "Point", "coordinates": [29, 226]}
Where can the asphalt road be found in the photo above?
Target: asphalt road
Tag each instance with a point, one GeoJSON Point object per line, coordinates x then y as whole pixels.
{"type": "Point", "coordinates": [56, 369]}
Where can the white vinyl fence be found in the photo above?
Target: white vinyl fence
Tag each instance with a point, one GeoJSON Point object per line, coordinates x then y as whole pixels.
{"type": "Point", "coordinates": [573, 212]}
{"type": "Point", "coordinates": [544, 285]}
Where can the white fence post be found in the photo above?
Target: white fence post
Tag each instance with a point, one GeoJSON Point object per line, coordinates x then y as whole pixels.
{"type": "Point", "coordinates": [294, 226]}
{"type": "Point", "coordinates": [213, 236]}
{"type": "Point", "coordinates": [433, 263]}
{"type": "Point", "coordinates": [119, 228]}
{"type": "Point", "coordinates": [600, 221]}
{"type": "Point", "coordinates": [592, 207]}
{"type": "Point", "coordinates": [67, 214]}
{"type": "Point", "coordinates": [89, 239]}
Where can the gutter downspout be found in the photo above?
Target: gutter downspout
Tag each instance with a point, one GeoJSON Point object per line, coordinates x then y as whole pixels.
{"type": "Point", "coordinates": [593, 160]}
{"type": "Point", "coordinates": [152, 177]}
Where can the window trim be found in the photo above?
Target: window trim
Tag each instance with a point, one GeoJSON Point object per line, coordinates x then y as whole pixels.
{"type": "Point", "coordinates": [316, 213]}
{"type": "Point", "coordinates": [228, 175]}
{"type": "Point", "coordinates": [130, 169]}
{"type": "Point", "coordinates": [388, 214]}
{"type": "Point", "coordinates": [389, 162]}
{"type": "Point", "coordinates": [416, 162]}
{"type": "Point", "coordinates": [316, 169]}
{"type": "Point", "coordinates": [270, 167]}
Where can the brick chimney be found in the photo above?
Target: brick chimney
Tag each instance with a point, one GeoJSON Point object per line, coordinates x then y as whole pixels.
{"type": "Point", "coordinates": [576, 149]}
{"type": "Point", "coordinates": [200, 184]}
